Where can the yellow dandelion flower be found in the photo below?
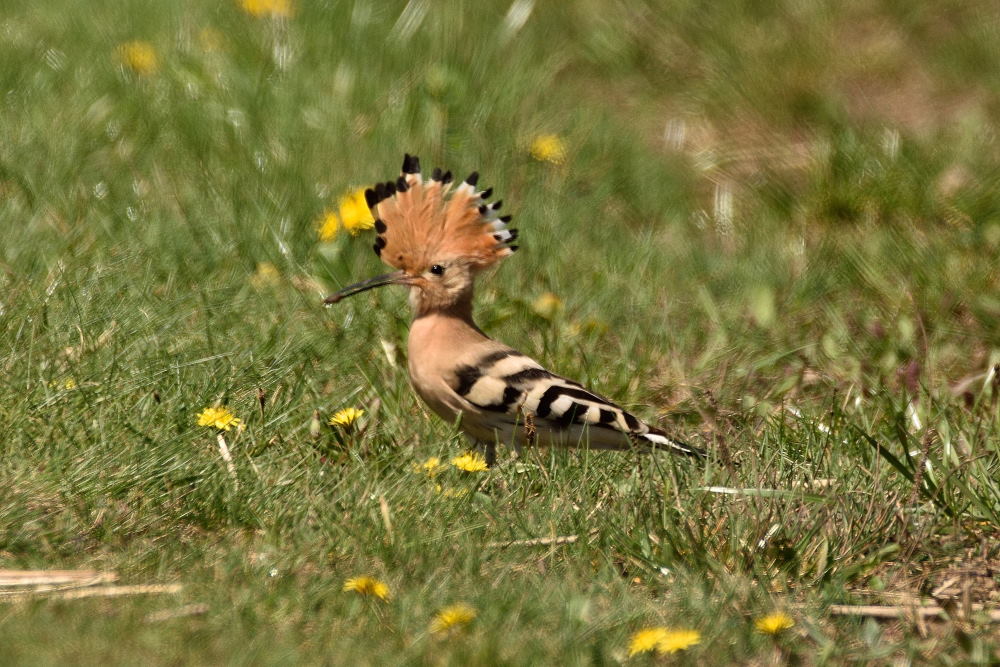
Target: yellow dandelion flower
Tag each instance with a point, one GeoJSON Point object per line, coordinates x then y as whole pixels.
{"type": "Point", "coordinates": [645, 640]}
{"type": "Point", "coordinates": [219, 417]}
{"type": "Point", "coordinates": [595, 326]}
{"type": "Point", "coordinates": [366, 585]}
{"type": "Point", "coordinates": [431, 467]}
{"type": "Point", "coordinates": [328, 226]}
{"type": "Point", "coordinates": [452, 618]}
{"type": "Point", "coordinates": [274, 8]}
{"type": "Point", "coordinates": [265, 274]}
{"type": "Point", "coordinates": [210, 40]}
{"type": "Point", "coordinates": [346, 417]}
{"type": "Point", "coordinates": [774, 623]}
{"type": "Point", "coordinates": [354, 212]}
{"type": "Point", "coordinates": [662, 640]}
{"type": "Point", "coordinates": [470, 462]}
{"type": "Point", "coordinates": [548, 305]}
{"type": "Point", "coordinates": [678, 640]}
{"type": "Point", "coordinates": [68, 384]}
{"type": "Point", "coordinates": [450, 491]}
{"type": "Point", "coordinates": [140, 57]}
{"type": "Point", "coordinates": [549, 148]}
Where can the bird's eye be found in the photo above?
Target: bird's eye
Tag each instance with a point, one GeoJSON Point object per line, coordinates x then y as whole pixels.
{"type": "Point", "coordinates": [437, 270]}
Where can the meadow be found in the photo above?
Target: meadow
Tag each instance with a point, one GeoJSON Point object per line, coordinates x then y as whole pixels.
{"type": "Point", "coordinates": [771, 229]}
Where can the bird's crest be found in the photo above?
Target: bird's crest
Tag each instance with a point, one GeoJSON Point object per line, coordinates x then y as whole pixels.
{"type": "Point", "coordinates": [421, 222]}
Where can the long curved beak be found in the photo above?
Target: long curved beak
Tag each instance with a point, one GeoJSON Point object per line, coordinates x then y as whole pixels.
{"type": "Point", "coordinates": [394, 278]}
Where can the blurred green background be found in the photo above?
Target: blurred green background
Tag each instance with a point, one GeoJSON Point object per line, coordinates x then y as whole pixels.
{"type": "Point", "coordinates": [770, 227]}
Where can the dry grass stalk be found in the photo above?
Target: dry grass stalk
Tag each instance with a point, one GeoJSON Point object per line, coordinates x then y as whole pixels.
{"type": "Point", "coordinates": [535, 542]}
{"type": "Point", "coordinates": [195, 609]}
{"type": "Point", "coordinates": [18, 582]}
{"type": "Point", "coordinates": [94, 592]}
{"type": "Point", "coordinates": [902, 612]}
{"type": "Point", "coordinates": [228, 458]}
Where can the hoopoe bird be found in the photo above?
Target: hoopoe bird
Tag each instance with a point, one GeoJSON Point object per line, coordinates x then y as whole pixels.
{"type": "Point", "coordinates": [439, 239]}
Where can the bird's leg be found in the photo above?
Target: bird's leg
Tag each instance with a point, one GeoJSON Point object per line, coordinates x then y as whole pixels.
{"type": "Point", "coordinates": [488, 450]}
{"type": "Point", "coordinates": [529, 435]}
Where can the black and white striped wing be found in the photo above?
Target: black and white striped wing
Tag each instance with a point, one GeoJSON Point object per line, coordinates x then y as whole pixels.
{"type": "Point", "coordinates": [512, 395]}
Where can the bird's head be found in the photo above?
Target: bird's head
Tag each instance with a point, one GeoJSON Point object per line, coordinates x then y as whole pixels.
{"type": "Point", "coordinates": [437, 238]}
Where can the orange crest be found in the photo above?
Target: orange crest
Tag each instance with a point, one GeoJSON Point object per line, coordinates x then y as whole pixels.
{"type": "Point", "coordinates": [422, 222]}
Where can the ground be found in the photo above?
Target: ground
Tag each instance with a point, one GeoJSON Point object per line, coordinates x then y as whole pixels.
{"type": "Point", "coordinates": [769, 228]}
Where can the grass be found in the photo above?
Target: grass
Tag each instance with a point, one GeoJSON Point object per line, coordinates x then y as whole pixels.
{"type": "Point", "coordinates": [774, 234]}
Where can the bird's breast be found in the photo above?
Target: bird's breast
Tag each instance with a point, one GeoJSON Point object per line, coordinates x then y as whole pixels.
{"type": "Point", "coordinates": [436, 347]}
{"type": "Point", "coordinates": [434, 391]}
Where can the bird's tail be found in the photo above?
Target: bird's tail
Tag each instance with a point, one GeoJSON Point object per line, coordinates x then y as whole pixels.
{"type": "Point", "coordinates": [656, 439]}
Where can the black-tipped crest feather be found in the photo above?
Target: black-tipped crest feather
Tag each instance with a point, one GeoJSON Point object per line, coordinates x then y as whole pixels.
{"type": "Point", "coordinates": [411, 164]}
{"type": "Point", "coordinates": [416, 221]}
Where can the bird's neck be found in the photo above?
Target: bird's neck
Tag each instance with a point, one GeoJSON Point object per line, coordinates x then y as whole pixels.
{"type": "Point", "coordinates": [424, 306]}
{"type": "Point", "coordinates": [454, 318]}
